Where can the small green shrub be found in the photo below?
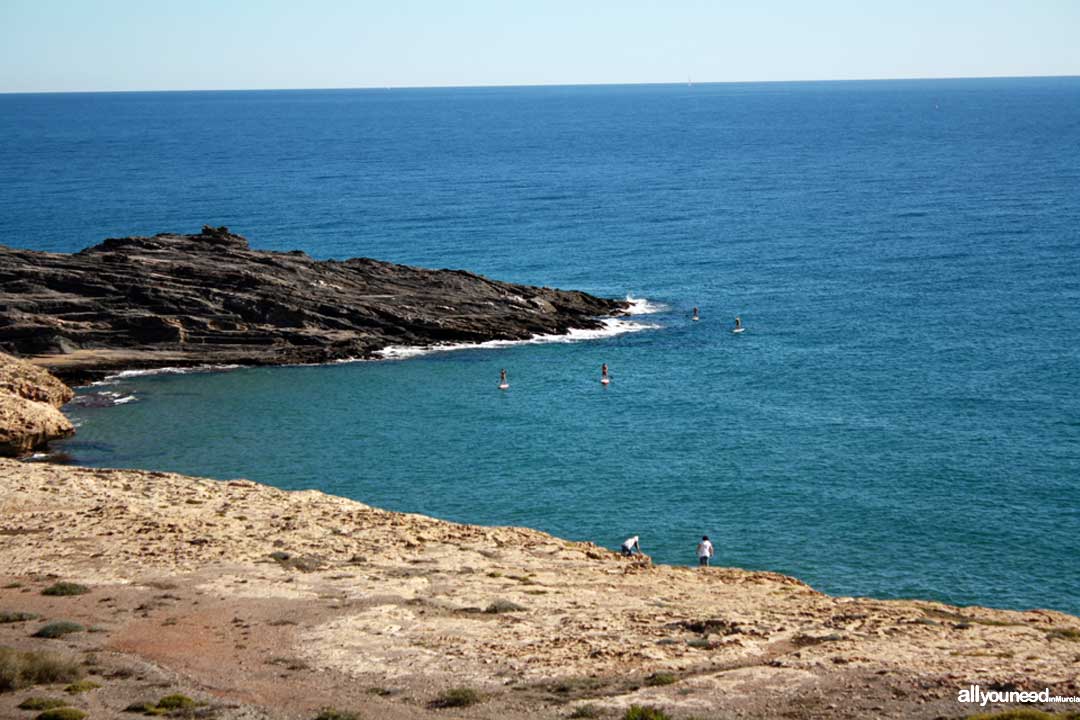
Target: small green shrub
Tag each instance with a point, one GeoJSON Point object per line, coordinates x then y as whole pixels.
{"type": "Point", "coordinates": [144, 708]}
{"type": "Point", "coordinates": [503, 606]}
{"type": "Point", "coordinates": [176, 702]}
{"type": "Point", "coordinates": [41, 703]}
{"type": "Point", "coordinates": [64, 713]}
{"type": "Point", "coordinates": [81, 686]}
{"type": "Point", "coordinates": [457, 697]}
{"type": "Point", "coordinates": [585, 711]}
{"type": "Point", "coordinates": [332, 714]}
{"type": "Point", "coordinates": [661, 678]}
{"type": "Point", "coordinates": [19, 669]}
{"type": "Point", "coordinates": [10, 616]}
{"type": "Point", "coordinates": [645, 712]}
{"type": "Point", "coordinates": [58, 629]}
{"type": "Point", "coordinates": [65, 588]}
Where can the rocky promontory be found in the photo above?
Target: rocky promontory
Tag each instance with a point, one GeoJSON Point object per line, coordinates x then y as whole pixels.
{"type": "Point", "coordinates": [208, 298]}
{"type": "Point", "coordinates": [30, 400]}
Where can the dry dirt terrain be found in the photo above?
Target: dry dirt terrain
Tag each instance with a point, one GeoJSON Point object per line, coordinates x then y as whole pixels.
{"type": "Point", "coordinates": [261, 603]}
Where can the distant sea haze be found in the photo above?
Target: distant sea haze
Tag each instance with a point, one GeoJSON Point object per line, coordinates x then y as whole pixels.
{"type": "Point", "coordinates": [899, 419]}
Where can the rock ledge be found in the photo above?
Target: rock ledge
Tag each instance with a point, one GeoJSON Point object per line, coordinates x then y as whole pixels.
{"type": "Point", "coordinates": [208, 298]}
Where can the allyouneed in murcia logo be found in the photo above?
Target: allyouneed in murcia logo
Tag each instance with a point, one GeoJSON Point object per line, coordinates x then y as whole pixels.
{"type": "Point", "coordinates": [975, 694]}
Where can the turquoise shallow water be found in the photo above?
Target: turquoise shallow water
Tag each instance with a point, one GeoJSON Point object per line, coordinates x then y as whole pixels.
{"type": "Point", "coordinates": [900, 418]}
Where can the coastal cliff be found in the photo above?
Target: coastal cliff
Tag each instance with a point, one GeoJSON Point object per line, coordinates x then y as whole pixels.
{"type": "Point", "coordinates": [208, 298]}
{"type": "Point", "coordinates": [30, 400]}
{"type": "Point", "coordinates": [264, 603]}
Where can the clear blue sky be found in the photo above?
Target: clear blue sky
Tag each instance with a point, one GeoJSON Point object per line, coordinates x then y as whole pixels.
{"type": "Point", "coordinates": [57, 45]}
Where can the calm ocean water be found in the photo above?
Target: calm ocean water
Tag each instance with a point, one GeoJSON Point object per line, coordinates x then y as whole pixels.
{"type": "Point", "coordinates": [900, 419]}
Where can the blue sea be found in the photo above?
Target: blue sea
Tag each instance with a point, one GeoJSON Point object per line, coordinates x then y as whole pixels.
{"type": "Point", "coordinates": [901, 417]}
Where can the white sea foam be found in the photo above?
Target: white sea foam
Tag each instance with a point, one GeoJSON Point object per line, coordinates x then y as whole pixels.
{"type": "Point", "coordinates": [125, 374]}
{"type": "Point", "coordinates": [124, 400]}
{"type": "Point", "coordinates": [611, 327]}
{"type": "Point", "coordinates": [641, 306]}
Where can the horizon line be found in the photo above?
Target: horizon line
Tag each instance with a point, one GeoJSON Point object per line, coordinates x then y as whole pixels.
{"type": "Point", "coordinates": [689, 81]}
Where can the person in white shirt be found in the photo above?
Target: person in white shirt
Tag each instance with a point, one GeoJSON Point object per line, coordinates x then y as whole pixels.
{"type": "Point", "coordinates": [704, 550]}
{"type": "Point", "coordinates": [630, 545]}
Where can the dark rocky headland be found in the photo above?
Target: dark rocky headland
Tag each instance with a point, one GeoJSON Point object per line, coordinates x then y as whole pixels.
{"type": "Point", "coordinates": [208, 298]}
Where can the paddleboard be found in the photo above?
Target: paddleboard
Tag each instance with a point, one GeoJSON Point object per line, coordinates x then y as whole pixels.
{"type": "Point", "coordinates": [604, 381]}
{"type": "Point", "coordinates": [504, 386]}
{"type": "Point", "coordinates": [695, 319]}
{"type": "Point", "coordinates": [738, 330]}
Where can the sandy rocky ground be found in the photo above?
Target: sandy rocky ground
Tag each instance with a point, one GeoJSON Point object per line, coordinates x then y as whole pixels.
{"type": "Point", "coordinates": [271, 604]}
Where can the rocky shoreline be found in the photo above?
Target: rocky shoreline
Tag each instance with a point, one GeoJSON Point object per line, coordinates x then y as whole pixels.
{"type": "Point", "coordinates": [264, 603]}
{"type": "Point", "coordinates": [209, 299]}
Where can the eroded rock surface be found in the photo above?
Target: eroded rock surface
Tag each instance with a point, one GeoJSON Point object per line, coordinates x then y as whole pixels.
{"type": "Point", "coordinates": [293, 601]}
{"type": "Point", "coordinates": [210, 299]}
{"type": "Point", "coordinates": [30, 399]}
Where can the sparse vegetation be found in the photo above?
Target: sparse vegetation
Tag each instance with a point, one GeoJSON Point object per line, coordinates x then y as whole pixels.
{"type": "Point", "coordinates": [503, 606]}
{"type": "Point", "coordinates": [567, 686]}
{"type": "Point", "coordinates": [457, 697]}
{"type": "Point", "coordinates": [41, 703]}
{"type": "Point", "coordinates": [65, 588]}
{"type": "Point", "coordinates": [58, 629]}
{"type": "Point", "coordinates": [1064, 634]}
{"type": "Point", "coordinates": [585, 711]}
{"type": "Point", "coordinates": [303, 563]}
{"type": "Point", "coordinates": [176, 701]}
{"type": "Point", "coordinates": [332, 714]}
{"type": "Point", "coordinates": [10, 616]}
{"type": "Point", "coordinates": [81, 686]}
{"type": "Point", "coordinates": [661, 678]}
{"type": "Point", "coordinates": [168, 705]}
{"type": "Point", "coordinates": [144, 708]}
{"type": "Point", "coordinates": [645, 712]}
{"type": "Point", "coordinates": [380, 691]}
{"type": "Point", "coordinates": [62, 713]}
{"type": "Point", "coordinates": [19, 669]}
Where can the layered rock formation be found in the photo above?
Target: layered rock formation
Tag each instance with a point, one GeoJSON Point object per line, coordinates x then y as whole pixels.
{"type": "Point", "coordinates": [30, 399]}
{"type": "Point", "coordinates": [210, 299]}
